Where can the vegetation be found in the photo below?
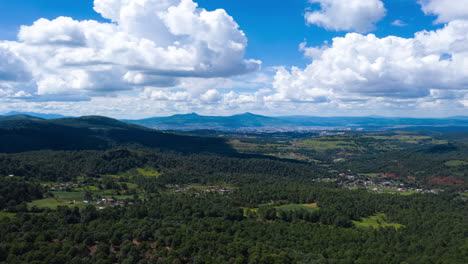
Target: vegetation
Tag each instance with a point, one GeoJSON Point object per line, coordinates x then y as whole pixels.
{"type": "Point", "coordinates": [212, 228]}
{"type": "Point", "coordinates": [456, 163]}
{"type": "Point", "coordinates": [15, 191]}
{"type": "Point", "coordinates": [50, 203]}
{"type": "Point", "coordinates": [138, 203]}
{"type": "Point", "coordinates": [376, 222]}
{"type": "Point", "coordinates": [296, 207]}
{"type": "Point", "coordinates": [149, 172]}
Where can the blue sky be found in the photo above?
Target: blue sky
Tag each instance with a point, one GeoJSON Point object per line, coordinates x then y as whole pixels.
{"type": "Point", "coordinates": [291, 80]}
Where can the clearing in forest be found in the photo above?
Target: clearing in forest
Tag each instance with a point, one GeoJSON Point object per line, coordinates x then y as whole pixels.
{"type": "Point", "coordinates": [375, 222]}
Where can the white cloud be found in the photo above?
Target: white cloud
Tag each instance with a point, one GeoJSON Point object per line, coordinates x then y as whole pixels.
{"type": "Point", "coordinates": [445, 10]}
{"type": "Point", "coordinates": [164, 95]}
{"type": "Point", "coordinates": [12, 67]}
{"type": "Point", "coordinates": [211, 96]}
{"type": "Point", "coordinates": [399, 23]}
{"type": "Point", "coordinates": [347, 15]}
{"type": "Point", "coordinates": [150, 43]}
{"type": "Point", "coordinates": [160, 57]}
{"type": "Point", "coordinates": [431, 65]}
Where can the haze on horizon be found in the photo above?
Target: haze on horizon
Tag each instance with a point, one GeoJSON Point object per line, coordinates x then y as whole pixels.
{"type": "Point", "coordinates": [143, 58]}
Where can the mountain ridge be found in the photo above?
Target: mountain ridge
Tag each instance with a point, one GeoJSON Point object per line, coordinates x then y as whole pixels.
{"type": "Point", "coordinates": [249, 121]}
{"type": "Point", "coordinates": [97, 133]}
{"type": "Point", "coordinates": [34, 114]}
{"type": "Point", "coordinates": [19, 117]}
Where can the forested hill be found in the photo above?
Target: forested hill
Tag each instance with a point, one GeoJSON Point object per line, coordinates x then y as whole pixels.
{"type": "Point", "coordinates": [95, 133]}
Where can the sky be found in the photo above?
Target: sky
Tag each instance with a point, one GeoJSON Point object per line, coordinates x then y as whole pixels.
{"type": "Point", "coordinates": [143, 58]}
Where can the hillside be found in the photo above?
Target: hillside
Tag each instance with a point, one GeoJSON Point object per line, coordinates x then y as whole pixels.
{"type": "Point", "coordinates": [95, 133]}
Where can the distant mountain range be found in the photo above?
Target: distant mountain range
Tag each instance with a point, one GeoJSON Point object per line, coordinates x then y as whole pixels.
{"type": "Point", "coordinates": [19, 117]}
{"type": "Point", "coordinates": [194, 121]}
{"type": "Point", "coordinates": [33, 114]}
{"type": "Point", "coordinates": [253, 122]}
{"type": "Point", "coordinates": [249, 121]}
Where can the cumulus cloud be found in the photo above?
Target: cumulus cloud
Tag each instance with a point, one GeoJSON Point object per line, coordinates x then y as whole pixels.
{"type": "Point", "coordinates": [158, 57]}
{"type": "Point", "coordinates": [347, 15]}
{"type": "Point", "coordinates": [433, 64]}
{"type": "Point", "coordinates": [150, 43]}
{"type": "Point", "coordinates": [445, 10]}
{"type": "Point", "coordinates": [12, 67]}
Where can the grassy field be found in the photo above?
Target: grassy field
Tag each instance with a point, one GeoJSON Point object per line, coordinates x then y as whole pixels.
{"type": "Point", "coordinates": [5, 214]}
{"type": "Point", "coordinates": [118, 197]}
{"type": "Point", "coordinates": [78, 196]}
{"type": "Point", "coordinates": [325, 144]}
{"type": "Point", "coordinates": [375, 222]}
{"type": "Point", "coordinates": [247, 210]}
{"type": "Point", "coordinates": [148, 172]}
{"type": "Point", "coordinates": [87, 188]}
{"type": "Point", "coordinates": [456, 163]}
{"type": "Point", "coordinates": [52, 203]}
{"type": "Point", "coordinates": [388, 190]}
{"type": "Point", "coordinates": [132, 185]}
{"type": "Point", "coordinates": [294, 207]}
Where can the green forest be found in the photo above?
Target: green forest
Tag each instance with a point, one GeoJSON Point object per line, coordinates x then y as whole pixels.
{"type": "Point", "coordinates": [388, 197]}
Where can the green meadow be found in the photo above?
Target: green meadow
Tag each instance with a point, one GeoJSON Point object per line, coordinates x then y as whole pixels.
{"type": "Point", "coordinates": [456, 163]}
{"type": "Point", "coordinates": [52, 203]}
{"type": "Point", "coordinates": [294, 207]}
{"type": "Point", "coordinates": [148, 172]}
{"type": "Point", "coordinates": [375, 222]}
{"type": "Point", "coordinates": [5, 214]}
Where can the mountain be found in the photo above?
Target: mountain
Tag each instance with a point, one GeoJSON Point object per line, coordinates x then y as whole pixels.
{"type": "Point", "coordinates": [19, 117]}
{"type": "Point", "coordinates": [40, 115]}
{"type": "Point", "coordinates": [194, 121]}
{"type": "Point", "coordinates": [96, 133]}
{"type": "Point", "coordinates": [249, 121]}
